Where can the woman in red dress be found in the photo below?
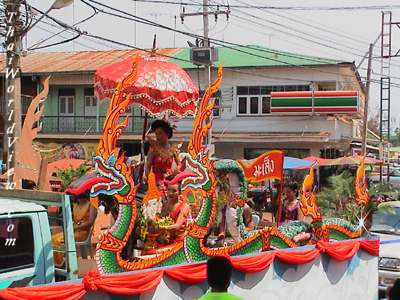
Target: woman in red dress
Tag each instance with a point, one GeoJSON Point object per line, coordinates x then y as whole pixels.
{"type": "Point", "coordinates": [162, 154]}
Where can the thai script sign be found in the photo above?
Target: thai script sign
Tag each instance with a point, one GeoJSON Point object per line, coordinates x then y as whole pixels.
{"type": "Point", "coordinates": [267, 166]}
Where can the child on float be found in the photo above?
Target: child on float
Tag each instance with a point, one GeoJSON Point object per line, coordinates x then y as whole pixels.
{"type": "Point", "coordinates": [175, 207]}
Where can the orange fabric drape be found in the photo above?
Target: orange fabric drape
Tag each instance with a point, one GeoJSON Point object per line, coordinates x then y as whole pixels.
{"type": "Point", "coordinates": [252, 264]}
{"type": "Point", "coordinates": [49, 292]}
{"type": "Point", "coordinates": [190, 274]}
{"type": "Point", "coordinates": [142, 282]}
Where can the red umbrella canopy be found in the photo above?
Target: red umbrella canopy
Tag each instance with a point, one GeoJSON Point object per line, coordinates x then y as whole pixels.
{"type": "Point", "coordinates": [320, 161]}
{"type": "Point", "coordinates": [159, 85]}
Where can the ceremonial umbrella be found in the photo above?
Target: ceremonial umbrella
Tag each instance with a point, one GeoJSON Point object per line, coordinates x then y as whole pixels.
{"type": "Point", "coordinates": [320, 161]}
{"type": "Point", "coordinates": [352, 160]}
{"type": "Point", "coordinates": [159, 85]}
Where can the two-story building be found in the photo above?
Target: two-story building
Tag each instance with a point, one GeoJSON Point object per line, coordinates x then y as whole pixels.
{"type": "Point", "coordinates": [247, 119]}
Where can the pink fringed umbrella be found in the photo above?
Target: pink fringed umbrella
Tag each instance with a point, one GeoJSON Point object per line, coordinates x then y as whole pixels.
{"type": "Point", "coordinates": [159, 86]}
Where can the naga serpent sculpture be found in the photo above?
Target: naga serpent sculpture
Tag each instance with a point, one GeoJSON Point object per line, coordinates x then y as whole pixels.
{"type": "Point", "coordinates": [322, 228]}
{"type": "Point", "coordinates": [114, 177]}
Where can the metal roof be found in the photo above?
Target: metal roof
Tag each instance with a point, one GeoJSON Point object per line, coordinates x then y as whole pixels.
{"type": "Point", "coordinates": [231, 57]}
{"type": "Point", "coordinates": [17, 206]}
{"type": "Point", "coordinates": [256, 56]}
{"type": "Point", "coordinates": [70, 62]}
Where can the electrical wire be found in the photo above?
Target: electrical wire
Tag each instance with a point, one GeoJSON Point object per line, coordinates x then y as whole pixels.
{"type": "Point", "coordinates": [360, 7]}
{"type": "Point", "coordinates": [374, 81]}
{"type": "Point", "coordinates": [320, 27]}
{"type": "Point", "coordinates": [127, 45]}
{"type": "Point", "coordinates": [35, 45]}
{"type": "Point", "coordinates": [361, 54]}
{"type": "Point", "coordinates": [215, 41]}
{"type": "Point", "coordinates": [123, 44]}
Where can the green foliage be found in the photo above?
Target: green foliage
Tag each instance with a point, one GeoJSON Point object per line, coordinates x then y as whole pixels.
{"type": "Point", "coordinates": [70, 174]}
{"type": "Point", "coordinates": [332, 200]}
{"type": "Point", "coordinates": [383, 190]}
{"type": "Point", "coordinates": [337, 200]}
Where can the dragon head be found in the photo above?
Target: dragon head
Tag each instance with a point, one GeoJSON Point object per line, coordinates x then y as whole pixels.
{"type": "Point", "coordinates": [109, 180]}
{"type": "Point", "coordinates": [199, 177]}
{"type": "Point", "coordinates": [112, 176]}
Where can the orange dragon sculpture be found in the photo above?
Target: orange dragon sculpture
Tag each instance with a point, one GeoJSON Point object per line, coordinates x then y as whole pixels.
{"type": "Point", "coordinates": [115, 178]}
{"type": "Point", "coordinates": [30, 164]}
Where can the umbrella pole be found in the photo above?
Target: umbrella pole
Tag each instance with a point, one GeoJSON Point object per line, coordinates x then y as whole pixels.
{"type": "Point", "coordinates": [279, 206]}
{"type": "Point", "coordinates": [142, 157]}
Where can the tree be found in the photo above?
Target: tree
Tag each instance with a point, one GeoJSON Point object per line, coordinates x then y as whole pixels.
{"type": "Point", "coordinates": [70, 174]}
{"type": "Point", "coordinates": [396, 141]}
{"type": "Point", "coordinates": [373, 123]}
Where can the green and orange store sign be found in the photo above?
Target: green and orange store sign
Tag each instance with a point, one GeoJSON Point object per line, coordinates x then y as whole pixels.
{"type": "Point", "coordinates": [321, 102]}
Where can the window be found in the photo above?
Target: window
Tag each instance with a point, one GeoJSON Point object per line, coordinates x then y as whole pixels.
{"type": "Point", "coordinates": [256, 100]}
{"type": "Point", "coordinates": [254, 105]}
{"type": "Point", "coordinates": [217, 110]}
{"type": "Point", "coordinates": [242, 105]}
{"type": "Point", "coordinates": [217, 100]}
{"type": "Point", "coordinates": [90, 99]}
{"type": "Point", "coordinates": [66, 99]}
{"type": "Point", "coordinates": [266, 105]}
{"type": "Point", "coordinates": [16, 246]}
{"type": "Point", "coordinates": [66, 105]}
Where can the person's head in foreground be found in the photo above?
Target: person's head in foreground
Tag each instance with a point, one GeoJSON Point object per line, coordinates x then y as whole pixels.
{"type": "Point", "coordinates": [393, 293]}
{"type": "Point", "coordinates": [219, 272]}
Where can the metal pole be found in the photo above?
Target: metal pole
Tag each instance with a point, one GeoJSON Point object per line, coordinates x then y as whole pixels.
{"type": "Point", "coordinates": [13, 85]}
{"type": "Point", "coordinates": [365, 120]}
{"type": "Point", "coordinates": [205, 23]}
{"type": "Point", "coordinates": [208, 67]}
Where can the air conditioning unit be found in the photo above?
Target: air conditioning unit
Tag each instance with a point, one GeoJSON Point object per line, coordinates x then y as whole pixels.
{"type": "Point", "coordinates": [203, 56]}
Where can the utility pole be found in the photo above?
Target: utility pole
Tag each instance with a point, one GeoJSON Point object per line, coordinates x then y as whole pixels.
{"type": "Point", "coordinates": [206, 44]}
{"type": "Point", "coordinates": [368, 83]}
{"type": "Point", "coordinates": [13, 45]}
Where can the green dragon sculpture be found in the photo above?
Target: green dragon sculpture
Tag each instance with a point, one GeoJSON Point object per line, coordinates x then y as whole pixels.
{"type": "Point", "coordinates": [114, 177]}
{"type": "Point", "coordinates": [326, 228]}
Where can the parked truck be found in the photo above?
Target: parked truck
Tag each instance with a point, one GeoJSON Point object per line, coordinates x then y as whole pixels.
{"type": "Point", "coordinates": [26, 250]}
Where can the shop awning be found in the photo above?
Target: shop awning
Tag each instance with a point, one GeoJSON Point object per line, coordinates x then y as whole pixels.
{"type": "Point", "coordinates": [295, 163]}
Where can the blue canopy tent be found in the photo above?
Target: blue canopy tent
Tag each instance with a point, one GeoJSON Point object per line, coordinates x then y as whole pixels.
{"type": "Point", "coordinates": [295, 163]}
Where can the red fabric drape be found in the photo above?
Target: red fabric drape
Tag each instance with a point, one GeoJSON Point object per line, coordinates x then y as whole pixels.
{"type": "Point", "coordinates": [339, 251]}
{"type": "Point", "coordinates": [370, 246]}
{"type": "Point", "coordinates": [253, 264]}
{"type": "Point", "coordinates": [127, 284]}
{"type": "Point", "coordinates": [142, 282]}
{"type": "Point", "coordinates": [298, 257]}
{"type": "Point", "coordinates": [190, 274]}
{"type": "Point", "coordinates": [48, 292]}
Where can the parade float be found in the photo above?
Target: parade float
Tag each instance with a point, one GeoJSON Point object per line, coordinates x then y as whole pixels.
{"type": "Point", "coordinates": [268, 261]}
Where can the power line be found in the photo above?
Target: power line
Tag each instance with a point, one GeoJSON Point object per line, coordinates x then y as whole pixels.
{"type": "Point", "coordinates": [146, 50]}
{"type": "Point", "coordinates": [322, 28]}
{"type": "Point", "coordinates": [303, 35]}
{"type": "Point", "coordinates": [215, 41]}
{"type": "Point", "coordinates": [365, 7]}
{"type": "Point", "coordinates": [36, 45]}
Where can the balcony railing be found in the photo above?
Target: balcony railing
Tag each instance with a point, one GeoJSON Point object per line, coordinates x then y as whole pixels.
{"type": "Point", "coordinates": [86, 124]}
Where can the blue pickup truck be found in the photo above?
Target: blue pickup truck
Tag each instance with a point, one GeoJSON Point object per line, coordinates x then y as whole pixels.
{"type": "Point", "coordinates": [26, 251]}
